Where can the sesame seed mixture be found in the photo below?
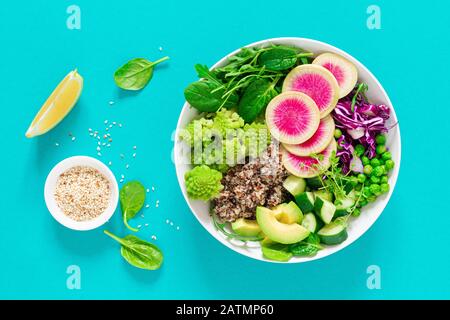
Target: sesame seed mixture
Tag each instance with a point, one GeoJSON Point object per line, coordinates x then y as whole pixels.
{"type": "Point", "coordinates": [82, 193]}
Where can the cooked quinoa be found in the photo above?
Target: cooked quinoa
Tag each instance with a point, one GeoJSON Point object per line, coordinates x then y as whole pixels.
{"type": "Point", "coordinates": [257, 183]}
{"type": "Point", "coordinates": [82, 193]}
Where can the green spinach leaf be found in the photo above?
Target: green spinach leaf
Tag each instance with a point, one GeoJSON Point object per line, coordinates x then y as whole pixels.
{"type": "Point", "coordinates": [203, 96]}
{"type": "Point", "coordinates": [139, 253]}
{"type": "Point", "coordinates": [136, 73]}
{"type": "Point", "coordinates": [255, 98]}
{"type": "Point", "coordinates": [132, 199]}
{"type": "Point", "coordinates": [280, 58]}
{"type": "Point", "coordinates": [306, 248]}
{"type": "Point", "coordinates": [275, 251]}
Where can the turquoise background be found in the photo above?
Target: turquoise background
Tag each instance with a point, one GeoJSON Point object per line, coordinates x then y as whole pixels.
{"type": "Point", "coordinates": [409, 55]}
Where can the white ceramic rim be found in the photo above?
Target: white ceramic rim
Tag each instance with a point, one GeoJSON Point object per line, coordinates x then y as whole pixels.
{"type": "Point", "coordinates": [381, 201]}
{"type": "Point", "coordinates": [56, 212]}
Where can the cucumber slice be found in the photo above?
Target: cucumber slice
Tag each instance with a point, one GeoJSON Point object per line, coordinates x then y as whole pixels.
{"type": "Point", "coordinates": [324, 209]}
{"type": "Point", "coordinates": [295, 185]}
{"type": "Point", "coordinates": [314, 183]}
{"type": "Point", "coordinates": [311, 223]}
{"type": "Point", "coordinates": [305, 201]}
{"type": "Point", "coordinates": [333, 233]}
{"type": "Point", "coordinates": [343, 205]}
{"type": "Point", "coordinates": [324, 194]}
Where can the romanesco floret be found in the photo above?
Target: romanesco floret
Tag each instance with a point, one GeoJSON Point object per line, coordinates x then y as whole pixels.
{"type": "Point", "coordinates": [227, 120]}
{"type": "Point", "coordinates": [257, 138]}
{"type": "Point", "coordinates": [203, 183]}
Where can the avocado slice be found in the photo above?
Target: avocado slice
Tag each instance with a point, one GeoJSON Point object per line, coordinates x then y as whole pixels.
{"type": "Point", "coordinates": [246, 227]}
{"type": "Point", "coordinates": [288, 213]}
{"type": "Point", "coordinates": [278, 231]}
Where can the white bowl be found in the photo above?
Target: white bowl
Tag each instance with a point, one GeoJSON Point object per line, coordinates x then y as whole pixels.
{"type": "Point", "coordinates": [56, 212]}
{"type": "Point", "coordinates": [370, 213]}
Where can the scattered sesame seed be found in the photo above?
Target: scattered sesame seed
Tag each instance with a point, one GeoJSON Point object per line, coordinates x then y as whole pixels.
{"type": "Point", "coordinates": [104, 144]}
{"type": "Point", "coordinates": [99, 154]}
{"type": "Point", "coordinates": [91, 134]}
{"type": "Point", "coordinates": [134, 155]}
{"type": "Point", "coordinates": [147, 206]}
{"type": "Point", "coordinates": [153, 237]}
{"type": "Point", "coordinates": [98, 137]}
{"type": "Point", "coordinates": [105, 136]}
{"type": "Point", "coordinates": [114, 123]}
{"type": "Point", "coordinates": [99, 143]}
{"type": "Point", "coordinates": [90, 130]}
{"type": "Point", "coordinates": [106, 128]}
{"type": "Point", "coordinates": [127, 166]}
{"type": "Point", "coordinates": [146, 224]}
{"type": "Point", "coordinates": [120, 125]}
{"type": "Point", "coordinates": [142, 216]}
{"type": "Point", "coordinates": [110, 163]}
{"type": "Point", "coordinates": [178, 228]}
{"type": "Point", "coordinates": [160, 48]}
{"type": "Point", "coordinates": [111, 103]}
{"type": "Point", "coordinates": [106, 121]}
{"type": "Point", "coordinates": [98, 148]}
{"type": "Point", "coordinates": [108, 145]}
{"type": "Point", "coordinates": [171, 223]}
{"type": "Point", "coordinates": [73, 138]}
{"type": "Point", "coordinates": [121, 180]}
{"type": "Point", "coordinates": [148, 190]}
{"type": "Point", "coordinates": [134, 147]}
{"type": "Point", "coordinates": [153, 188]}
{"type": "Point", "coordinates": [110, 140]}
{"type": "Point", "coordinates": [139, 226]}
{"type": "Point", "coordinates": [110, 125]}
{"type": "Point", "coordinates": [57, 144]}
{"type": "Point", "coordinates": [122, 155]}
{"type": "Point", "coordinates": [122, 176]}
{"type": "Point", "coordinates": [167, 221]}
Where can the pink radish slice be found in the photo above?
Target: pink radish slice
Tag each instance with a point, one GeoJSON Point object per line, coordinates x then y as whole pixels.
{"type": "Point", "coordinates": [316, 82]}
{"type": "Point", "coordinates": [343, 70]}
{"type": "Point", "coordinates": [292, 117]}
{"type": "Point", "coordinates": [318, 142]}
{"type": "Point", "coordinates": [308, 167]}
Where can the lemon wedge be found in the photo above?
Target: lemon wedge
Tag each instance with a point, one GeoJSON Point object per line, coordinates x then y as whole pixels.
{"type": "Point", "coordinates": [57, 106]}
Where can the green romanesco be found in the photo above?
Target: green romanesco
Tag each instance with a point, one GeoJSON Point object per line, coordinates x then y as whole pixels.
{"type": "Point", "coordinates": [257, 138]}
{"type": "Point", "coordinates": [203, 183]}
{"type": "Point", "coordinates": [227, 120]}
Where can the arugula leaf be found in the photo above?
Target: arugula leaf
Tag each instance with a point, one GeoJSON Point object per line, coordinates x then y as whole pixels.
{"type": "Point", "coordinates": [139, 253]}
{"type": "Point", "coordinates": [136, 73]}
{"type": "Point", "coordinates": [132, 199]}
{"type": "Point", "coordinates": [255, 98]}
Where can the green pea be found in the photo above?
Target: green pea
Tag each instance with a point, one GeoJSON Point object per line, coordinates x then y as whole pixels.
{"type": "Point", "coordinates": [367, 192]}
{"type": "Point", "coordinates": [354, 181]}
{"type": "Point", "coordinates": [359, 150]}
{"type": "Point", "coordinates": [358, 187]}
{"type": "Point", "coordinates": [365, 160]}
{"type": "Point", "coordinates": [386, 156]}
{"type": "Point", "coordinates": [378, 171]}
{"type": "Point", "coordinates": [375, 162]}
{"type": "Point", "coordinates": [375, 189]}
{"type": "Point", "coordinates": [384, 188]}
{"type": "Point", "coordinates": [361, 178]}
{"type": "Point", "coordinates": [380, 139]}
{"type": "Point", "coordinates": [389, 164]}
{"type": "Point", "coordinates": [374, 179]}
{"type": "Point", "coordinates": [356, 212]}
{"type": "Point", "coordinates": [368, 169]}
{"type": "Point", "coordinates": [384, 179]}
{"type": "Point", "coordinates": [362, 203]}
{"type": "Point", "coordinates": [337, 133]}
{"type": "Point", "coordinates": [381, 149]}
{"type": "Point", "coordinates": [371, 198]}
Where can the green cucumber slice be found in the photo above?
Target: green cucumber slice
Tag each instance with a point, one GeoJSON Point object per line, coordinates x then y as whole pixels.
{"type": "Point", "coordinates": [324, 194]}
{"type": "Point", "coordinates": [305, 201]}
{"type": "Point", "coordinates": [344, 205]}
{"type": "Point", "coordinates": [311, 223]}
{"type": "Point", "coordinates": [324, 209]}
{"type": "Point", "coordinates": [314, 183]}
{"type": "Point", "coordinates": [295, 185]}
{"type": "Point", "coordinates": [333, 233]}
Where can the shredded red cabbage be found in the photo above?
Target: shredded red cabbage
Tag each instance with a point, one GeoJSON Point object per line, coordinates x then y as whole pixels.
{"type": "Point", "coordinates": [359, 125]}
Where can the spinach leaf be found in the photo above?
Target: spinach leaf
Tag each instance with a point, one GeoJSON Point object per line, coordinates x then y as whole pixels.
{"type": "Point", "coordinates": [136, 73]}
{"type": "Point", "coordinates": [139, 253]}
{"type": "Point", "coordinates": [306, 248]}
{"type": "Point", "coordinates": [255, 98]}
{"type": "Point", "coordinates": [278, 58]}
{"type": "Point", "coordinates": [206, 96]}
{"type": "Point", "coordinates": [275, 251]}
{"type": "Point", "coordinates": [132, 198]}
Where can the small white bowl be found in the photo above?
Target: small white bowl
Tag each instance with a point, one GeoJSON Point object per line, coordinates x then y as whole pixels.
{"type": "Point", "coordinates": [370, 213]}
{"type": "Point", "coordinates": [49, 193]}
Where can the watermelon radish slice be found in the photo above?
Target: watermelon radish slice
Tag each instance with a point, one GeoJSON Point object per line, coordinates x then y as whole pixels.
{"type": "Point", "coordinates": [316, 82]}
{"type": "Point", "coordinates": [292, 117]}
{"type": "Point", "coordinates": [308, 167]}
{"type": "Point", "coordinates": [318, 142]}
{"type": "Point", "coordinates": [343, 70]}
